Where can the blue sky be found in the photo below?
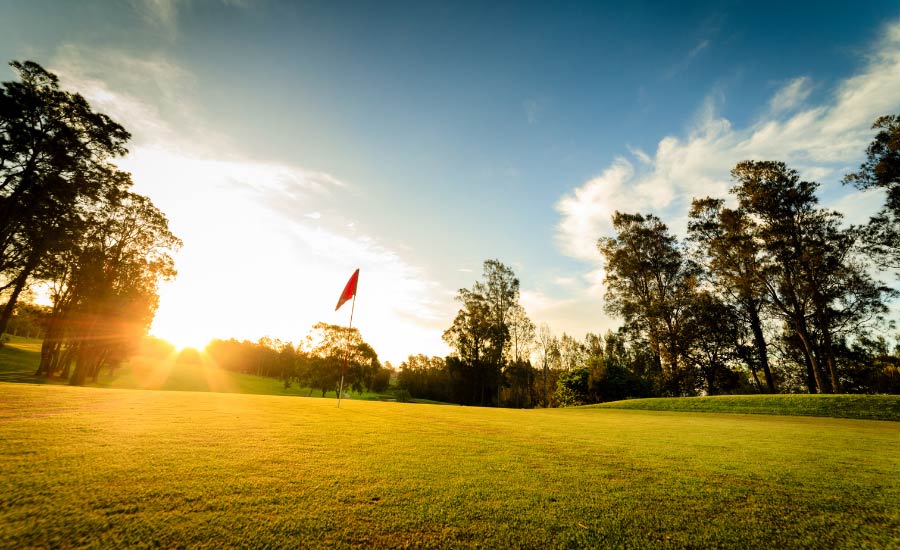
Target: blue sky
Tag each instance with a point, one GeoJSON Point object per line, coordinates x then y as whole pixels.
{"type": "Point", "coordinates": [291, 142]}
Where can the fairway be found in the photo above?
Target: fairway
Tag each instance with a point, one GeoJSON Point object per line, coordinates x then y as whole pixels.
{"type": "Point", "coordinates": [84, 467]}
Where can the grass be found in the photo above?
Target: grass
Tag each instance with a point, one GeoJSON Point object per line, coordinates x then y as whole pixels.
{"type": "Point", "coordinates": [87, 467]}
{"type": "Point", "coordinates": [875, 407]}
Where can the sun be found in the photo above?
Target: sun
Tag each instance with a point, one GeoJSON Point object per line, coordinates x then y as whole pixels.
{"type": "Point", "coordinates": [183, 341]}
{"type": "Point", "coordinates": [182, 332]}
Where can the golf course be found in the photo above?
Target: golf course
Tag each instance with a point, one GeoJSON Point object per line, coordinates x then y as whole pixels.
{"type": "Point", "coordinates": [114, 468]}
{"type": "Point", "coordinates": [505, 275]}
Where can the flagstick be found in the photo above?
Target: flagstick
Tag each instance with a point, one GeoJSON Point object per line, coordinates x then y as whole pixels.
{"type": "Point", "coordinates": [347, 355]}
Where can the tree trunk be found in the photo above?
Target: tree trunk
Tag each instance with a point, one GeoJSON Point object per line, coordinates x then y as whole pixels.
{"type": "Point", "coordinates": [814, 364]}
{"type": "Point", "coordinates": [756, 379]}
{"type": "Point", "coordinates": [80, 372]}
{"type": "Point", "coordinates": [546, 402]}
{"type": "Point", "coordinates": [6, 314]}
{"type": "Point", "coordinates": [761, 348]}
{"type": "Point", "coordinates": [829, 354]}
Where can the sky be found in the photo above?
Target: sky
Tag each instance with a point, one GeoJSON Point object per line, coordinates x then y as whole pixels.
{"type": "Point", "coordinates": [290, 143]}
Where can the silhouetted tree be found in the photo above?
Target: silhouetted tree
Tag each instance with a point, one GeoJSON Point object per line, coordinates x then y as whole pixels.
{"type": "Point", "coordinates": [336, 349]}
{"type": "Point", "coordinates": [480, 330]}
{"type": "Point", "coordinates": [106, 286]}
{"type": "Point", "coordinates": [54, 164]}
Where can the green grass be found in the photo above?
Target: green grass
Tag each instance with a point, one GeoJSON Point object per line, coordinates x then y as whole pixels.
{"type": "Point", "coordinates": [876, 407]}
{"type": "Point", "coordinates": [86, 467]}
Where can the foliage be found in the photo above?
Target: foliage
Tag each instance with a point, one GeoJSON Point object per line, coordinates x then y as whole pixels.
{"type": "Point", "coordinates": [28, 320]}
{"type": "Point", "coordinates": [480, 333]}
{"type": "Point", "coordinates": [650, 284]}
{"type": "Point", "coordinates": [68, 218]}
{"type": "Point", "coordinates": [105, 288]}
{"type": "Point", "coordinates": [572, 387]}
{"type": "Point", "coordinates": [54, 166]}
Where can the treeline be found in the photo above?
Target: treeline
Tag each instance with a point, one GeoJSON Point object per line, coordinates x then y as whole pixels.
{"type": "Point", "coordinates": [317, 363]}
{"type": "Point", "coordinates": [69, 221]}
{"type": "Point", "coordinates": [770, 292]}
{"type": "Point", "coordinates": [775, 275]}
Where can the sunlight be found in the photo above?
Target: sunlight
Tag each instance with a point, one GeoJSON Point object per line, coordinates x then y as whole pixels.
{"type": "Point", "coordinates": [181, 330]}
{"type": "Point", "coordinates": [304, 261]}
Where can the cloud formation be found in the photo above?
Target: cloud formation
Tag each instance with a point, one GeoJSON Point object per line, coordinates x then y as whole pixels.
{"type": "Point", "coordinates": [790, 96]}
{"type": "Point", "coordinates": [820, 141]}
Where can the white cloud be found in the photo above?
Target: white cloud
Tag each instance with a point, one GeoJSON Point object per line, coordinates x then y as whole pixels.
{"type": "Point", "coordinates": [588, 208]}
{"type": "Point", "coordinates": [574, 315]}
{"type": "Point", "coordinates": [822, 142]}
{"type": "Point", "coordinates": [162, 13]}
{"type": "Point", "coordinates": [818, 141]}
{"type": "Point", "coordinates": [144, 93]}
{"type": "Point", "coordinates": [790, 96]}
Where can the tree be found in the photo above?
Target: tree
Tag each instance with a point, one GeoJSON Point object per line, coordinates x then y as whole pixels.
{"type": "Point", "coordinates": [717, 327]}
{"type": "Point", "coordinates": [807, 264]}
{"type": "Point", "coordinates": [338, 349]}
{"type": "Point", "coordinates": [521, 334]}
{"type": "Point", "coordinates": [650, 284]}
{"type": "Point", "coordinates": [572, 353]}
{"type": "Point", "coordinates": [573, 386]}
{"type": "Point", "coordinates": [106, 286]}
{"type": "Point", "coordinates": [519, 371]}
{"type": "Point", "coordinates": [548, 352]}
{"type": "Point", "coordinates": [881, 170]}
{"type": "Point", "coordinates": [480, 330]}
{"type": "Point", "coordinates": [732, 258]}
{"type": "Point", "coordinates": [426, 377]}
{"type": "Point", "coordinates": [500, 289]}
{"type": "Point", "coordinates": [54, 163]}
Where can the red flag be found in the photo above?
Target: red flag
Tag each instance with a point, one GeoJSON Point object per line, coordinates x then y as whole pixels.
{"type": "Point", "coordinates": [349, 290]}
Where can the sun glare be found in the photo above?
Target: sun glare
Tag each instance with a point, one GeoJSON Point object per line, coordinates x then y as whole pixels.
{"type": "Point", "coordinates": [181, 333]}
{"type": "Point", "coordinates": [182, 341]}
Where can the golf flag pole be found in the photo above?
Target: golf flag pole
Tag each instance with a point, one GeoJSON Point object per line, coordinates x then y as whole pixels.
{"type": "Point", "coordinates": [349, 291]}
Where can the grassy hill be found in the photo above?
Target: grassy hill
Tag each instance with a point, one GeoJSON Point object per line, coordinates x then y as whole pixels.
{"type": "Point", "coordinates": [109, 468]}
{"type": "Point", "coordinates": [876, 407]}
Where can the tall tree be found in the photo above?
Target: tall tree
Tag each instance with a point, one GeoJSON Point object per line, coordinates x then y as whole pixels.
{"type": "Point", "coordinates": [521, 334]}
{"type": "Point", "coordinates": [807, 265]}
{"type": "Point", "coordinates": [107, 286]}
{"type": "Point", "coordinates": [650, 284]}
{"type": "Point", "coordinates": [732, 257]}
{"type": "Point", "coordinates": [548, 351]}
{"type": "Point", "coordinates": [54, 161]}
{"type": "Point", "coordinates": [480, 330]}
{"type": "Point", "coordinates": [519, 371]}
